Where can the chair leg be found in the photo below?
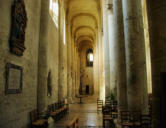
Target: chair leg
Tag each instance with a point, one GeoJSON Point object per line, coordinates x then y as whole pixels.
{"type": "Point", "coordinates": [103, 123]}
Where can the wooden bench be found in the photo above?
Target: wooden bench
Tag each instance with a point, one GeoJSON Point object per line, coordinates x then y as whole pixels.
{"type": "Point", "coordinates": [36, 122]}
{"type": "Point", "coordinates": [73, 123]}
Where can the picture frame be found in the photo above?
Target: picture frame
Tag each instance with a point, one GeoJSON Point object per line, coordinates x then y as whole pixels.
{"type": "Point", "coordinates": [14, 77]}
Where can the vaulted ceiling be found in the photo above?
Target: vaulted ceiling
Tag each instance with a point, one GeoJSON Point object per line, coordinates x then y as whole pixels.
{"type": "Point", "coordinates": [84, 17]}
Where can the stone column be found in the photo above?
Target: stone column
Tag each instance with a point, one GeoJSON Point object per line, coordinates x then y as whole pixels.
{"type": "Point", "coordinates": [106, 51]}
{"type": "Point", "coordinates": [96, 63]}
{"type": "Point", "coordinates": [157, 27]}
{"type": "Point", "coordinates": [112, 52]}
{"type": "Point", "coordinates": [69, 63]}
{"type": "Point", "coordinates": [135, 56]}
{"type": "Point", "coordinates": [100, 65]}
{"type": "Point", "coordinates": [62, 91]}
{"type": "Point", "coordinates": [95, 71]}
{"type": "Point", "coordinates": [42, 62]}
{"type": "Point", "coordinates": [120, 56]}
{"type": "Point", "coordinates": [73, 69]}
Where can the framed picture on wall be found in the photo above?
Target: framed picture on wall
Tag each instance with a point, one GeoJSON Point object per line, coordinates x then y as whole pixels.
{"type": "Point", "coordinates": [14, 74]}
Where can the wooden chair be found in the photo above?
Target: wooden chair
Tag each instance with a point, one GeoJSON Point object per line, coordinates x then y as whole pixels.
{"type": "Point", "coordinates": [136, 119]}
{"type": "Point", "coordinates": [36, 122]}
{"type": "Point", "coordinates": [73, 123]}
{"type": "Point", "coordinates": [53, 112]}
{"type": "Point", "coordinates": [107, 115]}
{"type": "Point", "coordinates": [115, 106]}
{"type": "Point", "coordinates": [99, 105]}
{"type": "Point", "coordinates": [108, 103]}
{"type": "Point", "coordinates": [146, 121]}
{"type": "Point", "coordinates": [106, 110]}
{"type": "Point", "coordinates": [126, 119]}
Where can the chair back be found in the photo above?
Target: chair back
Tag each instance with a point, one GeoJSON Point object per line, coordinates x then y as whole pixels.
{"type": "Point", "coordinates": [115, 106]}
{"type": "Point", "coordinates": [136, 116]}
{"type": "Point", "coordinates": [125, 116]}
{"type": "Point", "coordinates": [107, 110]}
{"type": "Point", "coordinates": [146, 121]}
{"type": "Point", "coordinates": [33, 115]}
{"type": "Point", "coordinates": [99, 104]}
{"type": "Point", "coordinates": [107, 103]}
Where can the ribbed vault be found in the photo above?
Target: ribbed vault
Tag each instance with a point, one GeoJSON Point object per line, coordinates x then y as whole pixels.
{"type": "Point", "coordinates": [83, 16]}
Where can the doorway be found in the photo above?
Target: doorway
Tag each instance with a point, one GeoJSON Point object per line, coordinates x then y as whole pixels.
{"type": "Point", "coordinates": [87, 89]}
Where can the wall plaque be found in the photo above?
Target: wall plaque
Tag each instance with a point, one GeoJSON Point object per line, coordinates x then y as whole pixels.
{"type": "Point", "coordinates": [13, 79]}
{"type": "Point", "coordinates": [19, 22]}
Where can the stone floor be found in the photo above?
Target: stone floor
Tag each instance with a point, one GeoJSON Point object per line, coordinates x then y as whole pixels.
{"type": "Point", "coordinates": [87, 113]}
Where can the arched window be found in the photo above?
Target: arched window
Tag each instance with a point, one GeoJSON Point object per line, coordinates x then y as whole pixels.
{"type": "Point", "coordinates": [54, 11]}
{"type": "Point", "coordinates": [89, 58]}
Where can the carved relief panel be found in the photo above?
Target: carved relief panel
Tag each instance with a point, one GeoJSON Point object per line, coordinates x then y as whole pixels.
{"type": "Point", "coordinates": [18, 26]}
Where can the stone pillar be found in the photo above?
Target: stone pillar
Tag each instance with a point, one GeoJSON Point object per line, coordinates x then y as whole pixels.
{"type": "Point", "coordinates": [120, 56]}
{"type": "Point", "coordinates": [100, 65]}
{"type": "Point", "coordinates": [62, 91]}
{"type": "Point", "coordinates": [96, 62]}
{"type": "Point", "coordinates": [106, 51]}
{"type": "Point", "coordinates": [73, 69]}
{"type": "Point", "coordinates": [42, 62]}
{"type": "Point", "coordinates": [157, 27]}
{"type": "Point", "coordinates": [135, 56]}
{"type": "Point", "coordinates": [69, 63]}
{"type": "Point", "coordinates": [112, 52]}
{"type": "Point", "coordinates": [95, 71]}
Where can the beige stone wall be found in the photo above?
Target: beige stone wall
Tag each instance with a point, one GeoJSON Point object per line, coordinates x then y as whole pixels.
{"type": "Point", "coordinates": [15, 108]}
{"type": "Point", "coordinates": [37, 31]}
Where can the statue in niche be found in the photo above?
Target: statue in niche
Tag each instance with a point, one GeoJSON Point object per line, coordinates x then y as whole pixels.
{"type": "Point", "coordinates": [49, 84]}
{"type": "Point", "coordinates": [18, 26]}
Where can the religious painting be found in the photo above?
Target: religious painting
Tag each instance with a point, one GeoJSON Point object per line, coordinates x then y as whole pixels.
{"type": "Point", "coordinates": [14, 75]}
{"type": "Point", "coordinates": [18, 26]}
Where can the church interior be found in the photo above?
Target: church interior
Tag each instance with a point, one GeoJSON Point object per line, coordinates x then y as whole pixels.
{"type": "Point", "coordinates": [82, 63]}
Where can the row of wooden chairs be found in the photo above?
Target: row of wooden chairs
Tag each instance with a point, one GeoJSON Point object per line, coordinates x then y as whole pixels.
{"type": "Point", "coordinates": [56, 110]}
{"type": "Point", "coordinates": [150, 104]}
{"type": "Point", "coordinates": [37, 121]}
{"type": "Point", "coordinates": [111, 103]}
{"type": "Point", "coordinates": [135, 120]}
{"type": "Point", "coordinates": [109, 112]}
{"type": "Point", "coordinates": [107, 115]}
{"type": "Point", "coordinates": [100, 104]}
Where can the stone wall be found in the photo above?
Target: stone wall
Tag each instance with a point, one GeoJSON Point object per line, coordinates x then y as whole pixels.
{"type": "Point", "coordinates": [15, 108]}
{"type": "Point", "coordinates": [86, 72]}
{"type": "Point", "coordinates": [42, 34]}
{"type": "Point", "coordinates": [157, 27]}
